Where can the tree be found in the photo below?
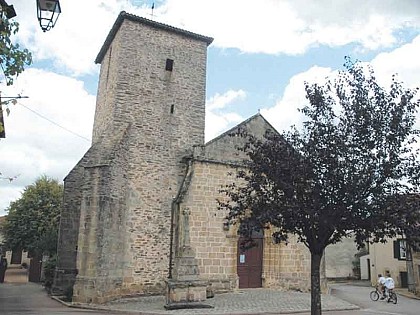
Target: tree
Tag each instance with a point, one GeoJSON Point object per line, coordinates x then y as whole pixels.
{"type": "Point", "coordinates": [337, 176]}
{"type": "Point", "coordinates": [408, 223]}
{"type": "Point", "coordinates": [32, 220]}
{"type": "Point", "coordinates": [13, 59]}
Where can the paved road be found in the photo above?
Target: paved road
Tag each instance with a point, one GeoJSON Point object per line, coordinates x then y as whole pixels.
{"type": "Point", "coordinates": [31, 299]}
{"type": "Point", "coordinates": [18, 296]}
{"type": "Point", "coordinates": [360, 296]}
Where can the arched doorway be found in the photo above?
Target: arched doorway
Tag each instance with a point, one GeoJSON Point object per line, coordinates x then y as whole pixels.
{"type": "Point", "coordinates": [250, 262]}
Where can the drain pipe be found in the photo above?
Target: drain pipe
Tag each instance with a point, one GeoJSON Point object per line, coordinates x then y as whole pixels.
{"type": "Point", "coordinates": [171, 241]}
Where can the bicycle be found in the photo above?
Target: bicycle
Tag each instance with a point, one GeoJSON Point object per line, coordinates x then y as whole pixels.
{"type": "Point", "coordinates": [390, 295]}
{"type": "Point", "coordinates": [374, 295]}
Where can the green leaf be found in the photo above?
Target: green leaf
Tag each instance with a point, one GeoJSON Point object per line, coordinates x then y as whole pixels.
{"type": "Point", "coordinates": [32, 220]}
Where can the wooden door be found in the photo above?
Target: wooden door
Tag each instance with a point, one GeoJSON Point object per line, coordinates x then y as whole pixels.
{"type": "Point", "coordinates": [35, 268]}
{"type": "Point", "coordinates": [249, 264]}
{"type": "Point", "coordinates": [16, 257]}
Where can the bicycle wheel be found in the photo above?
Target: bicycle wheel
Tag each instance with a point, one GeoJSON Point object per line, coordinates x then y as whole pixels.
{"type": "Point", "coordinates": [374, 295]}
{"type": "Point", "coordinates": [392, 298]}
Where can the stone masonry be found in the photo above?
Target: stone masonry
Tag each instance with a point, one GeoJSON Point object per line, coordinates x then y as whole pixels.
{"type": "Point", "coordinates": [284, 266]}
{"type": "Point", "coordinates": [149, 114]}
{"type": "Point", "coordinates": [140, 210]}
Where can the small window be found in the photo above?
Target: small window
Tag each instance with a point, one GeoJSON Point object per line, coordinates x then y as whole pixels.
{"type": "Point", "coordinates": [172, 108]}
{"type": "Point", "coordinates": [169, 65]}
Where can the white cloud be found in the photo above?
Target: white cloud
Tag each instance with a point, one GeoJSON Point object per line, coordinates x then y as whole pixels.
{"type": "Point", "coordinates": [266, 26]}
{"type": "Point", "coordinates": [291, 27]}
{"type": "Point", "coordinates": [218, 120]}
{"type": "Point", "coordinates": [11, 192]}
{"type": "Point", "coordinates": [36, 142]}
{"type": "Point", "coordinates": [219, 123]}
{"type": "Point", "coordinates": [371, 23]}
{"type": "Point", "coordinates": [285, 112]}
{"type": "Point", "coordinates": [80, 32]}
{"type": "Point", "coordinates": [404, 61]}
{"type": "Point", "coordinates": [221, 101]}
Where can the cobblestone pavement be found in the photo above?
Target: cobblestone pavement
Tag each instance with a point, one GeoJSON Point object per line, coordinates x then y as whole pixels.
{"type": "Point", "coordinates": [250, 301]}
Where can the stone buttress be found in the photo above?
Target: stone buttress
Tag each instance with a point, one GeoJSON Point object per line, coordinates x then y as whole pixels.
{"type": "Point", "coordinates": [115, 233]}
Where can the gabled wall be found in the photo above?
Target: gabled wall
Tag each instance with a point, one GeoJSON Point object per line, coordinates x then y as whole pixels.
{"type": "Point", "coordinates": [285, 267]}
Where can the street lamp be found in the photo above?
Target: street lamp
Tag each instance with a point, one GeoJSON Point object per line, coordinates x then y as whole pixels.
{"type": "Point", "coordinates": [48, 12]}
{"type": "Point", "coordinates": [6, 9]}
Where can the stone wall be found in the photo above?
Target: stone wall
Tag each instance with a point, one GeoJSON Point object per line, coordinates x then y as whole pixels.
{"type": "Point", "coordinates": [284, 266]}
{"type": "Point", "coordinates": [66, 269]}
{"type": "Point", "coordinates": [107, 89]}
{"type": "Point", "coordinates": [224, 148]}
{"type": "Point", "coordinates": [215, 244]}
{"type": "Point", "coordinates": [102, 234]}
{"type": "Point", "coordinates": [134, 86]}
{"type": "Point", "coordinates": [215, 247]}
{"type": "Point", "coordinates": [147, 119]}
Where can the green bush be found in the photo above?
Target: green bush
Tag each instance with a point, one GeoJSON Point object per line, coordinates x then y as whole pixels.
{"type": "Point", "coordinates": [49, 269]}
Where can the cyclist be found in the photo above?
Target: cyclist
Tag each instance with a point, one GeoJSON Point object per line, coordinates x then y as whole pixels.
{"type": "Point", "coordinates": [381, 285]}
{"type": "Point", "coordinates": [389, 282]}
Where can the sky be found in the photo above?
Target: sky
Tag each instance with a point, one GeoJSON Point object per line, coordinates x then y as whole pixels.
{"type": "Point", "coordinates": [263, 52]}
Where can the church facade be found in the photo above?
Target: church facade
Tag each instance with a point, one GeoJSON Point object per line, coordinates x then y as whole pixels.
{"type": "Point", "coordinates": [148, 186]}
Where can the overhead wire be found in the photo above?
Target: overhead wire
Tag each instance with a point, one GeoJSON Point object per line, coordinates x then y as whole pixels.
{"type": "Point", "coordinates": [53, 122]}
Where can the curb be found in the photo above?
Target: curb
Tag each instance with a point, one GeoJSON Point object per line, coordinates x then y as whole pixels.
{"type": "Point", "coordinates": [163, 312]}
{"type": "Point", "coordinates": [96, 308]}
{"type": "Point", "coordinates": [407, 294]}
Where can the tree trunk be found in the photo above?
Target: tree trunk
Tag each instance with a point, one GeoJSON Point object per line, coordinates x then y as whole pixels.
{"type": "Point", "coordinates": [315, 284]}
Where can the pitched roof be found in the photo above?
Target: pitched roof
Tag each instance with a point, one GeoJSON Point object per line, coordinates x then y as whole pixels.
{"type": "Point", "coordinates": [245, 122]}
{"type": "Point", "coordinates": [124, 15]}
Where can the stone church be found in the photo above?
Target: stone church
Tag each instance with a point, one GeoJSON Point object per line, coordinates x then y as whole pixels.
{"type": "Point", "coordinates": [140, 206]}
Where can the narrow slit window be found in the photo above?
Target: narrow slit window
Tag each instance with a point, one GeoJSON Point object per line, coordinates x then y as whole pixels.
{"type": "Point", "coordinates": [172, 108]}
{"type": "Point", "coordinates": [169, 65]}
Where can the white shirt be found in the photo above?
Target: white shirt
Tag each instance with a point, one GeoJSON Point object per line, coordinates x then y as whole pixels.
{"type": "Point", "coordinates": [381, 280]}
{"type": "Point", "coordinates": [389, 283]}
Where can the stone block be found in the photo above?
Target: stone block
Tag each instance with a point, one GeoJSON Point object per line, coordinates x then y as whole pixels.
{"type": "Point", "coordinates": [186, 294]}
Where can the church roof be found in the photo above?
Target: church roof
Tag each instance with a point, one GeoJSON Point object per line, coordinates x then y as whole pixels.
{"type": "Point", "coordinates": [225, 148]}
{"type": "Point", "coordinates": [124, 15]}
{"type": "Point", "coordinates": [242, 124]}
